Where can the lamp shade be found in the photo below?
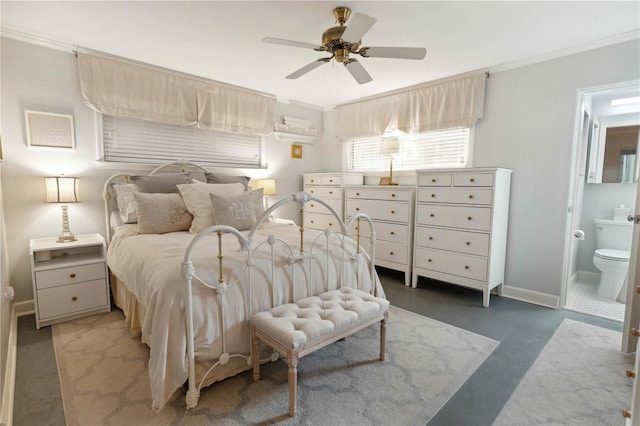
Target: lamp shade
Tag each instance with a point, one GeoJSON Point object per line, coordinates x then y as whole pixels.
{"type": "Point", "coordinates": [61, 189]}
{"type": "Point", "coordinates": [268, 186]}
{"type": "Point", "coordinates": [390, 146]}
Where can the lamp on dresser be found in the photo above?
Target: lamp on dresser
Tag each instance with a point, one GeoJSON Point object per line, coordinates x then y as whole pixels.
{"type": "Point", "coordinates": [390, 147]}
{"type": "Point", "coordinates": [268, 188]}
{"type": "Point", "coordinates": [62, 190]}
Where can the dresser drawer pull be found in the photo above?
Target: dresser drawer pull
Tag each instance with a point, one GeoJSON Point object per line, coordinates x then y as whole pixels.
{"type": "Point", "coordinates": [470, 195]}
{"type": "Point", "coordinates": [433, 180]}
{"type": "Point", "coordinates": [357, 209]}
{"type": "Point", "coordinates": [433, 195]}
{"type": "Point", "coordinates": [626, 414]}
{"type": "Point", "coordinates": [330, 192]}
{"type": "Point", "coordinates": [631, 373]}
{"type": "Point", "coordinates": [74, 298]}
{"type": "Point", "coordinates": [312, 191]}
{"type": "Point", "coordinates": [468, 243]}
{"type": "Point", "coordinates": [72, 275]}
{"type": "Point", "coordinates": [638, 289]}
{"type": "Point", "coordinates": [330, 224]}
{"type": "Point", "coordinates": [358, 194]}
{"type": "Point", "coordinates": [330, 180]}
{"type": "Point", "coordinates": [393, 195]}
{"type": "Point", "coordinates": [311, 221]}
{"type": "Point", "coordinates": [635, 332]}
{"type": "Point", "coordinates": [391, 253]}
{"type": "Point", "coordinates": [430, 238]}
{"type": "Point", "coordinates": [429, 260]}
{"type": "Point", "coordinates": [466, 266]}
{"type": "Point", "coordinates": [393, 212]}
{"type": "Point", "coordinates": [469, 218]}
{"type": "Point", "coordinates": [432, 215]}
{"type": "Point", "coordinates": [472, 180]}
{"type": "Point", "coordinates": [392, 233]}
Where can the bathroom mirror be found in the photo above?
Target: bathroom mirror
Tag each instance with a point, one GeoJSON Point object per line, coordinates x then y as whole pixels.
{"type": "Point", "coordinates": [613, 152]}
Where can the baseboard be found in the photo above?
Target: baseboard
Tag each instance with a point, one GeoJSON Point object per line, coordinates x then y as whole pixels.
{"type": "Point", "coordinates": [530, 296]}
{"type": "Point", "coordinates": [587, 277]}
{"type": "Point", "coordinates": [8, 391]}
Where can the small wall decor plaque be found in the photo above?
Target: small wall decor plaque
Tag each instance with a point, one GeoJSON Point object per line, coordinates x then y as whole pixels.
{"type": "Point", "coordinates": [385, 181]}
{"type": "Point", "coordinates": [49, 130]}
{"type": "Point", "coordinates": [296, 151]}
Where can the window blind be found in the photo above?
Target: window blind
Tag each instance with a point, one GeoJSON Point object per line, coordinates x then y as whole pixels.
{"type": "Point", "coordinates": [138, 141]}
{"type": "Point", "coordinates": [443, 148]}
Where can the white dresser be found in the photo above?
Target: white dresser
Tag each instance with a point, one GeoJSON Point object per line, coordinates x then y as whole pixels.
{"type": "Point", "coordinates": [391, 209]}
{"type": "Point", "coordinates": [461, 227]}
{"type": "Point", "coordinates": [329, 187]}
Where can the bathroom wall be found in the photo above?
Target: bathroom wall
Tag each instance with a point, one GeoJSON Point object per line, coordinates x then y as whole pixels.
{"type": "Point", "coordinates": [599, 201]}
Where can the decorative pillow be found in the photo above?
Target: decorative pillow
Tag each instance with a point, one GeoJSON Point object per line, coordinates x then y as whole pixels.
{"type": "Point", "coordinates": [160, 183]}
{"type": "Point", "coordinates": [161, 213]}
{"type": "Point", "coordinates": [196, 198]}
{"type": "Point", "coordinates": [224, 178]}
{"type": "Point", "coordinates": [236, 210]}
{"type": "Point", "coordinates": [126, 202]}
{"type": "Point", "coordinates": [258, 203]}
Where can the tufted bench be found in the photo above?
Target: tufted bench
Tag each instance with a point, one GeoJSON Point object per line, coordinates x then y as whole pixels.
{"type": "Point", "coordinates": [297, 329]}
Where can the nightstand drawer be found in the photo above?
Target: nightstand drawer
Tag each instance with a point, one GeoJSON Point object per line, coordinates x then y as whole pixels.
{"type": "Point", "coordinates": [72, 274]}
{"type": "Point", "coordinates": [382, 210]}
{"type": "Point", "coordinates": [68, 299]}
{"type": "Point", "coordinates": [457, 196]}
{"type": "Point", "coordinates": [447, 239]}
{"type": "Point", "coordinates": [452, 263]}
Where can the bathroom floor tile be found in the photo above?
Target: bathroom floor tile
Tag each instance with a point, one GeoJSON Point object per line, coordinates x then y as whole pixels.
{"type": "Point", "coordinates": [584, 298]}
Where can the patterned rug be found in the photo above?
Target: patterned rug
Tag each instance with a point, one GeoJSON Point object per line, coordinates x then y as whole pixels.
{"type": "Point", "coordinates": [104, 379]}
{"type": "Point", "coordinates": [578, 379]}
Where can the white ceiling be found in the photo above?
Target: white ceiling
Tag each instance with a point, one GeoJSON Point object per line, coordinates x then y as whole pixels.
{"type": "Point", "coordinates": [221, 40]}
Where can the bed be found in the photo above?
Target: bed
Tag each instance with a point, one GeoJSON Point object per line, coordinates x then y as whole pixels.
{"type": "Point", "coordinates": [189, 292]}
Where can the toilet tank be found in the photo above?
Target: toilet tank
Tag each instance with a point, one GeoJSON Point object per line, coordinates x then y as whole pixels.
{"type": "Point", "coordinates": [613, 234]}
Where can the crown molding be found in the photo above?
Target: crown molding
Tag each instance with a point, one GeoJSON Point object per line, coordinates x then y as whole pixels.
{"type": "Point", "coordinates": [34, 39]}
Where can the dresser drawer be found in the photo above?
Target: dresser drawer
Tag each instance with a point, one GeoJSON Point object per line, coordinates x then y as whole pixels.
{"type": "Point", "coordinates": [382, 210]}
{"type": "Point", "coordinates": [393, 232]}
{"type": "Point", "coordinates": [316, 207]}
{"type": "Point", "coordinates": [451, 263]}
{"type": "Point", "coordinates": [68, 299]}
{"type": "Point", "coordinates": [459, 241]}
{"type": "Point", "coordinates": [476, 218]}
{"type": "Point", "coordinates": [379, 194]}
{"type": "Point", "coordinates": [325, 192]}
{"type": "Point", "coordinates": [321, 221]}
{"type": "Point", "coordinates": [72, 274]}
{"type": "Point", "coordinates": [391, 252]}
{"type": "Point", "coordinates": [473, 179]}
{"type": "Point", "coordinates": [458, 196]}
{"type": "Point", "coordinates": [434, 179]}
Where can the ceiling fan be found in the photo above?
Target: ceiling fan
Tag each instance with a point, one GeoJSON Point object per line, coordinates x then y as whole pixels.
{"type": "Point", "coordinates": [342, 41]}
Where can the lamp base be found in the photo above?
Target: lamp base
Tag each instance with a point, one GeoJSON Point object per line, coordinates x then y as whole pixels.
{"type": "Point", "coordinates": [66, 238]}
{"type": "Point", "coordinates": [66, 235]}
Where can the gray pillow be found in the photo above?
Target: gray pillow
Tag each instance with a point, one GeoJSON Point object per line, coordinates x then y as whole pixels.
{"type": "Point", "coordinates": [224, 178]}
{"type": "Point", "coordinates": [160, 183]}
{"type": "Point", "coordinates": [235, 210]}
{"type": "Point", "coordinates": [258, 203]}
{"type": "Point", "coordinates": [160, 213]}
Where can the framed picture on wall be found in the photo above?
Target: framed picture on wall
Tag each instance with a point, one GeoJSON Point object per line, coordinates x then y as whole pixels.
{"type": "Point", "coordinates": [296, 151]}
{"type": "Point", "coordinates": [49, 130]}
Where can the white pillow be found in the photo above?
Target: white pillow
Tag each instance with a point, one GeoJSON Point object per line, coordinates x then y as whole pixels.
{"type": "Point", "coordinates": [236, 210]}
{"type": "Point", "coordinates": [196, 198]}
{"type": "Point", "coordinates": [126, 202]}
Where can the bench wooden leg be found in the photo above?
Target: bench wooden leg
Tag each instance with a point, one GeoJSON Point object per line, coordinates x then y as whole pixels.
{"type": "Point", "coordinates": [255, 356]}
{"type": "Point", "coordinates": [383, 338]}
{"type": "Point", "coordinates": [292, 360]}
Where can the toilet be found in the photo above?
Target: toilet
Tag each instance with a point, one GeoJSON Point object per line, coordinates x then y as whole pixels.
{"type": "Point", "coordinates": [613, 249]}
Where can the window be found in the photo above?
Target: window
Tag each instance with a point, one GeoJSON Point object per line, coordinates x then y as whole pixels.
{"type": "Point", "coordinates": [137, 141]}
{"type": "Point", "coordinates": [443, 148]}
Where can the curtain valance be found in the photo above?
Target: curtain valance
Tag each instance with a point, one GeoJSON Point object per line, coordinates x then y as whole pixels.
{"type": "Point", "coordinates": [119, 88]}
{"type": "Point", "coordinates": [452, 103]}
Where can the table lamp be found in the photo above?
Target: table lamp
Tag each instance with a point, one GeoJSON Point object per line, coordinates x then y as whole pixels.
{"type": "Point", "coordinates": [62, 190]}
{"type": "Point", "coordinates": [391, 147]}
{"type": "Point", "coordinates": [268, 188]}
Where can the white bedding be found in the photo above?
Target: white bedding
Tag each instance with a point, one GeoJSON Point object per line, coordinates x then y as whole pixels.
{"type": "Point", "coordinates": [150, 267]}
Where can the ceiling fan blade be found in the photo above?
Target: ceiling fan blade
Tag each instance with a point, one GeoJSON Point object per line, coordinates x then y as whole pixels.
{"type": "Point", "coordinates": [309, 67]}
{"type": "Point", "coordinates": [357, 71]}
{"type": "Point", "coordinates": [358, 26]}
{"type": "Point", "coordinates": [393, 52]}
{"type": "Point", "coordinates": [293, 43]}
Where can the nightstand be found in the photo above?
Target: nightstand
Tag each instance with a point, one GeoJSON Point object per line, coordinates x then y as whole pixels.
{"type": "Point", "coordinates": [70, 280]}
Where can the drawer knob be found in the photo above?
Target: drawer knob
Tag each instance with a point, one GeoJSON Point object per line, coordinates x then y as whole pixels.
{"type": "Point", "coordinates": [626, 414]}
{"type": "Point", "coordinates": [357, 209]}
{"type": "Point", "coordinates": [393, 212]}
{"type": "Point", "coordinates": [393, 195]}
{"type": "Point", "coordinates": [431, 238]}
{"type": "Point", "coordinates": [433, 180]}
{"type": "Point", "coordinates": [391, 253]}
{"type": "Point", "coordinates": [468, 243]}
{"type": "Point", "coordinates": [330, 224]}
{"type": "Point", "coordinates": [311, 221]}
{"type": "Point", "coordinates": [635, 332]}
{"type": "Point", "coordinates": [466, 266]}
{"type": "Point", "coordinates": [74, 298]}
{"type": "Point", "coordinates": [330, 192]}
{"type": "Point", "coordinates": [73, 275]}
{"type": "Point", "coordinates": [358, 194]}
{"type": "Point", "coordinates": [638, 289]}
{"type": "Point", "coordinates": [470, 195]}
{"type": "Point", "coordinates": [392, 233]}
{"type": "Point", "coordinates": [631, 373]}
{"type": "Point", "coordinates": [469, 218]}
{"type": "Point", "coordinates": [433, 195]}
{"type": "Point", "coordinates": [472, 180]}
{"type": "Point", "coordinates": [432, 215]}
{"type": "Point", "coordinates": [429, 260]}
{"type": "Point", "coordinates": [312, 191]}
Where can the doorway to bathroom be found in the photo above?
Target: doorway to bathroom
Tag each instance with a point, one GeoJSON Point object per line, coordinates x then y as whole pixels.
{"type": "Point", "coordinates": [603, 193]}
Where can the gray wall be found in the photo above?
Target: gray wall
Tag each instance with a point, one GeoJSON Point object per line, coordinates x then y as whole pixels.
{"type": "Point", "coordinates": [528, 126]}
{"type": "Point", "coordinates": [43, 79]}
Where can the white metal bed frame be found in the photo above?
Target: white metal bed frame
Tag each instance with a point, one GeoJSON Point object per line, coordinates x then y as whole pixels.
{"type": "Point", "coordinates": [300, 256]}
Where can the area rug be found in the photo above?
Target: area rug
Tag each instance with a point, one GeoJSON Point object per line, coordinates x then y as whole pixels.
{"type": "Point", "coordinates": [578, 379]}
{"type": "Point", "coordinates": [104, 378]}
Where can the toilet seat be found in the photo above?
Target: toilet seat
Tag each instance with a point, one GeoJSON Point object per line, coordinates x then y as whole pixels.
{"type": "Point", "coordinates": [613, 255]}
